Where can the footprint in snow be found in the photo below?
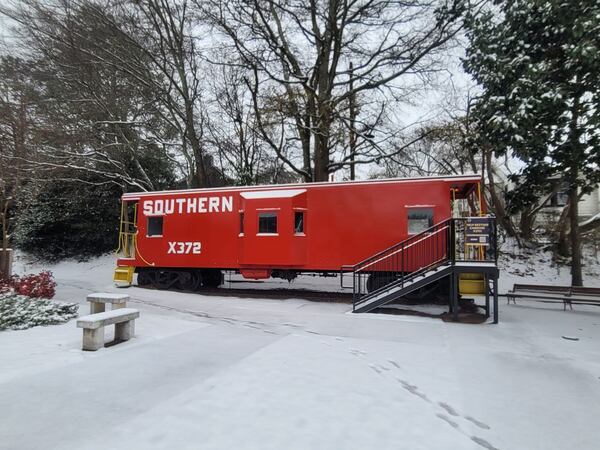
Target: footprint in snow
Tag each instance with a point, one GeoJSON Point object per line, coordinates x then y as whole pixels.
{"type": "Point", "coordinates": [447, 420]}
{"type": "Point", "coordinates": [374, 368]}
{"type": "Point", "coordinates": [449, 409]}
{"type": "Point", "coordinates": [394, 363]}
{"type": "Point", "coordinates": [357, 351]}
{"type": "Point", "coordinates": [480, 424]}
{"type": "Point", "coordinates": [413, 390]}
{"type": "Point", "coordinates": [483, 443]}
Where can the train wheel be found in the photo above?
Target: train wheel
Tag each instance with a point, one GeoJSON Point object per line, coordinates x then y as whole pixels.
{"type": "Point", "coordinates": [379, 280]}
{"type": "Point", "coordinates": [145, 278]}
{"type": "Point", "coordinates": [189, 281]}
{"type": "Point", "coordinates": [212, 278]}
{"type": "Point", "coordinates": [165, 279]}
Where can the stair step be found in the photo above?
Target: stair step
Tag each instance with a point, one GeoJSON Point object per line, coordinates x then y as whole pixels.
{"type": "Point", "coordinates": [396, 291]}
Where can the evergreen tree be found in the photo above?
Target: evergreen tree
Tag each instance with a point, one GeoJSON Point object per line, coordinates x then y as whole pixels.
{"type": "Point", "coordinates": [64, 219]}
{"type": "Point", "coordinates": [538, 64]}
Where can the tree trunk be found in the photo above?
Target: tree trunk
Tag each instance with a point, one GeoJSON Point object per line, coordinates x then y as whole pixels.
{"type": "Point", "coordinates": [562, 245]}
{"type": "Point", "coordinates": [4, 211]}
{"type": "Point", "coordinates": [200, 176]}
{"type": "Point", "coordinates": [5, 252]}
{"type": "Point", "coordinates": [304, 133]}
{"type": "Point", "coordinates": [576, 272]}
{"type": "Point", "coordinates": [577, 151]}
{"type": "Point", "coordinates": [526, 224]}
{"type": "Point", "coordinates": [353, 114]}
{"type": "Point", "coordinates": [321, 156]}
{"type": "Point", "coordinates": [6, 257]}
{"type": "Point", "coordinates": [321, 159]}
{"type": "Point", "coordinates": [324, 117]}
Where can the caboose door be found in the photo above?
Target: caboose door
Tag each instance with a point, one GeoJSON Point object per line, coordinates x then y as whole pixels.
{"type": "Point", "coordinates": [272, 228]}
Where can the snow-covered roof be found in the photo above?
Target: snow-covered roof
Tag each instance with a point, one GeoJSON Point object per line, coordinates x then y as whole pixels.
{"type": "Point", "coordinates": [274, 193]}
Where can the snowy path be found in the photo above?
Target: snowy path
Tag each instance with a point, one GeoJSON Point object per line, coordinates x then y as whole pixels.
{"type": "Point", "coordinates": [230, 373]}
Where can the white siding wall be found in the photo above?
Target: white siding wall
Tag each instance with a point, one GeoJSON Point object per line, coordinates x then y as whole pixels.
{"type": "Point", "coordinates": [590, 204]}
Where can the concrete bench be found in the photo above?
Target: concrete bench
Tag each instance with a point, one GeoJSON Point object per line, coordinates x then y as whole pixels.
{"type": "Point", "coordinates": [93, 326]}
{"type": "Point", "coordinates": [99, 300]}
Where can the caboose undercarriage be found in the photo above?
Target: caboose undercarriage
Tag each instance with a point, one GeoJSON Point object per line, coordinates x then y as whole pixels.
{"type": "Point", "coordinates": [185, 279]}
{"type": "Point", "coordinates": [188, 279]}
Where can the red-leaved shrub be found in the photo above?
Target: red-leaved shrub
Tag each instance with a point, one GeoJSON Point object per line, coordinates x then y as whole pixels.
{"type": "Point", "coordinates": [41, 285]}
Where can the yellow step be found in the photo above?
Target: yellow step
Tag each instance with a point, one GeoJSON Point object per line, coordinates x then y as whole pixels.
{"type": "Point", "coordinates": [124, 274]}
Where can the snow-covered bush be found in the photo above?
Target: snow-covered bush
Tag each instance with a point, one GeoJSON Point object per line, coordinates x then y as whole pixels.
{"type": "Point", "coordinates": [18, 312]}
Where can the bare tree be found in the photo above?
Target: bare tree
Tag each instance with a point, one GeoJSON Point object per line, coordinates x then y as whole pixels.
{"type": "Point", "coordinates": [148, 45]}
{"type": "Point", "coordinates": [163, 30]}
{"type": "Point", "coordinates": [312, 60]}
{"type": "Point", "coordinates": [231, 126]}
{"type": "Point", "coordinates": [92, 118]}
{"type": "Point", "coordinates": [16, 97]}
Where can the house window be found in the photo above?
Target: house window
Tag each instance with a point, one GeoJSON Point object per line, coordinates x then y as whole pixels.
{"type": "Point", "coordinates": [267, 222]}
{"type": "Point", "coordinates": [155, 226]}
{"type": "Point", "coordinates": [241, 223]}
{"type": "Point", "coordinates": [419, 219]}
{"type": "Point", "coordinates": [560, 196]}
{"type": "Point", "coordinates": [560, 199]}
{"type": "Point", "coordinates": [298, 222]}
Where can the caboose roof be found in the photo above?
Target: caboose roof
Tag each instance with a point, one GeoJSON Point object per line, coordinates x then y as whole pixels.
{"type": "Point", "coordinates": [460, 180]}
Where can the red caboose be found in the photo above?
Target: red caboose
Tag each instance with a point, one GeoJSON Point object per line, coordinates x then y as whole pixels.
{"type": "Point", "coordinates": [187, 238]}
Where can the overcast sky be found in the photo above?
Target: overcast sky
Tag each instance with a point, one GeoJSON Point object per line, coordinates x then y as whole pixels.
{"type": "Point", "coordinates": [449, 90]}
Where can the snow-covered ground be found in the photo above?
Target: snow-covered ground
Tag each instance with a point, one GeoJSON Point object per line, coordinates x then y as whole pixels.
{"type": "Point", "coordinates": [531, 266]}
{"type": "Point", "coordinates": [212, 372]}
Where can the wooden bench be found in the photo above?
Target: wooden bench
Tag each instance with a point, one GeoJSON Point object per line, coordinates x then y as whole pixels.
{"type": "Point", "coordinates": [567, 295]}
{"type": "Point", "coordinates": [535, 291]}
{"type": "Point", "coordinates": [93, 326]}
{"type": "Point", "coordinates": [99, 300]}
{"type": "Point", "coordinates": [582, 296]}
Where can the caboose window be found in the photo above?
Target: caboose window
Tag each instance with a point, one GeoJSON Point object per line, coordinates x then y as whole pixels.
{"type": "Point", "coordinates": [267, 222]}
{"type": "Point", "coordinates": [298, 222]}
{"type": "Point", "coordinates": [419, 219]}
{"type": "Point", "coordinates": [155, 226]}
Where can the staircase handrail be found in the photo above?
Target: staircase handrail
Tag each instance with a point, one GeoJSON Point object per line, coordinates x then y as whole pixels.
{"type": "Point", "coordinates": [402, 244]}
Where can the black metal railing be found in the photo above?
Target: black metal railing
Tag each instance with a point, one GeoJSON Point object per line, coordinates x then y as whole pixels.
{"type": "Point", "coordinates": [443, 244]}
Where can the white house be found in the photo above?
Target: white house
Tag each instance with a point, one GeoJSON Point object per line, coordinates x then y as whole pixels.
{"type": "Point", "coordinates": [589, 206]}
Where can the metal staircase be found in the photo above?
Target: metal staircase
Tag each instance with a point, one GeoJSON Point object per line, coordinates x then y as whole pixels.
{"type": "Point", "coordinates": [422, 259]}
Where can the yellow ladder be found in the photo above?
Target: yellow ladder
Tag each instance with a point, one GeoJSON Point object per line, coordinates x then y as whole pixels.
{"type": "Point", "coordinates": [127, 244]}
